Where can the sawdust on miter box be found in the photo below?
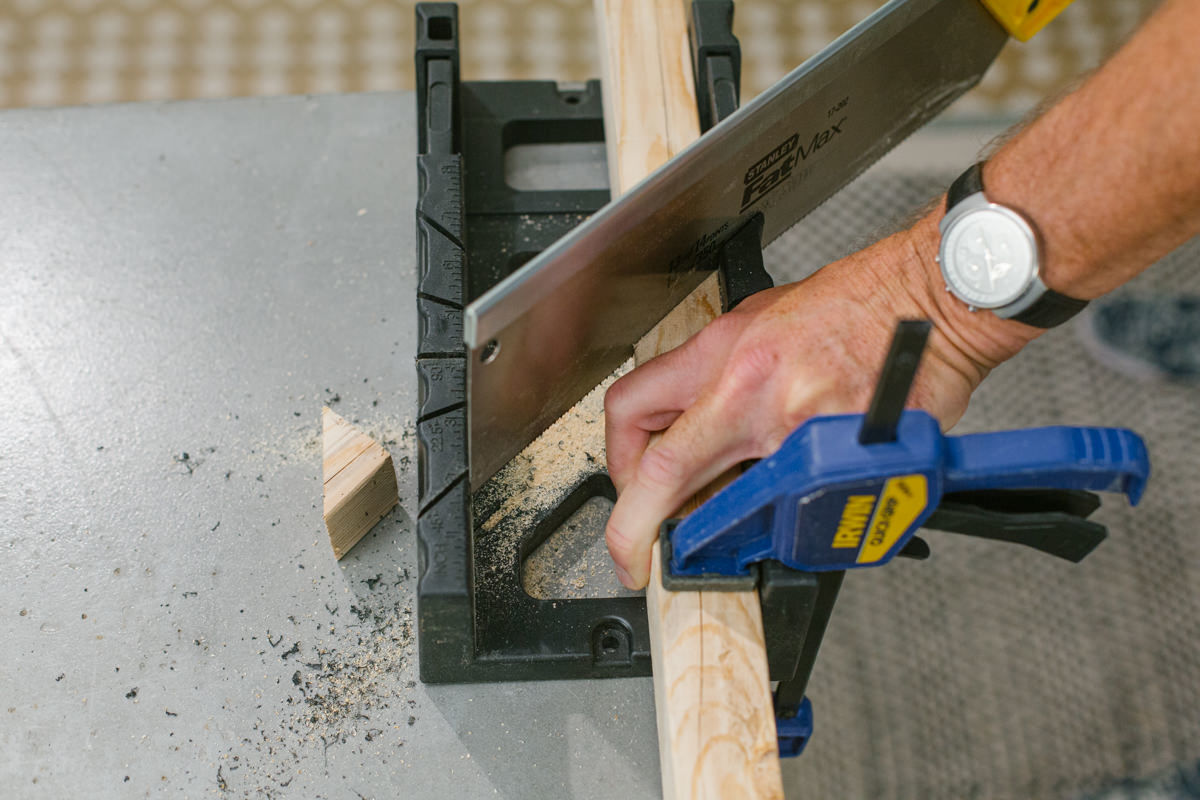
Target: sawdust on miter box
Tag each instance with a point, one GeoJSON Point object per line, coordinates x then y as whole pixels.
{"type": "Point", "coordinates": [543, 474]}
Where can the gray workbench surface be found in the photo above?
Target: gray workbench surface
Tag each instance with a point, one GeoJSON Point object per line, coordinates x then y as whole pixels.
{"type": "Point", "coordinates": [183, 285]}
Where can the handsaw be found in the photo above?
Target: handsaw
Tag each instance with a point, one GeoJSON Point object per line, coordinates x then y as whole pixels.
{"type": "Point", "coordinates": [543, 337]}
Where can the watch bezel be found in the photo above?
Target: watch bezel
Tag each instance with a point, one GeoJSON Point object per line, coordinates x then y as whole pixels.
{"type": "Point", "coordinates": [959, 215]}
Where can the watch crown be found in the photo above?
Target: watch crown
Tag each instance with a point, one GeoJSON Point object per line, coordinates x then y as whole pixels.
{"type": "Point", "coordinates": [937, 259]}
{"type": "Point", "coordinates": [947, 287]}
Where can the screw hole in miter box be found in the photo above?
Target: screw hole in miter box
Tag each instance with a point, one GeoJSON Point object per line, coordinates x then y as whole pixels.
{"type": "Point", "coordinates": [610, 642]}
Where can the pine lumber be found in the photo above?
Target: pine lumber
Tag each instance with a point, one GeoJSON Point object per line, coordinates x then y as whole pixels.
{"type": "Point", "coordinates": [712, 692]}
{"type": "Point", "coordinates": [359, 482]}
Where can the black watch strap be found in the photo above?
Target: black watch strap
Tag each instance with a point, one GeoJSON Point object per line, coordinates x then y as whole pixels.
{"type": "Point", "coordinates": [1049, 310]}
{"type": "Point", "coordinates": [965, 185]}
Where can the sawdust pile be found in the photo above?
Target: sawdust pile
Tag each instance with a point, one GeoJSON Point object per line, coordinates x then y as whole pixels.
{"type": "Point", "coordinates": [341, 686]}
{"type": "Point", "coordinates": [349, 692]}
{"type": "Point", "coordinates": [545, 471]}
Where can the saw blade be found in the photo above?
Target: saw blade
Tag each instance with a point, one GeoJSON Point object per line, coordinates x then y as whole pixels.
{"type": "Point", "coordinates": [550, 332]}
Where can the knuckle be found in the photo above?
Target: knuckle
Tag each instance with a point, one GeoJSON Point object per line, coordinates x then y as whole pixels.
{"type": "Point", "coordinates": [620, 546]}
{"type": "Point", "coordinates": [722, 327]}
{"type": "Point", "coordinates": [661, 469]}
{"type": "Point", "coordinates": [751, 368]}
{"type": "Point", "coordinates": [617, 398]}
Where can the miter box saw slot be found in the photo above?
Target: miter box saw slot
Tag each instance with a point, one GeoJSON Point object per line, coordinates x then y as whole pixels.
{"type": "Point", "coordinates": [476, 621]}
{"type": "Point", "coordinates": [507, 226]}
{"type": "Point", "coordinates": [597, 485]}
{"type": "Point", "coordinates": [716, 60]}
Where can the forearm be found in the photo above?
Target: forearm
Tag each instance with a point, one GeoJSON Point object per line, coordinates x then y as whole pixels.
{"type": "Point", "coordinates": [1110, 177]}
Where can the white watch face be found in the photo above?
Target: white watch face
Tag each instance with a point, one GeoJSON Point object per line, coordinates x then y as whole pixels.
{"type": "Point", "coordinates": [989, 257]}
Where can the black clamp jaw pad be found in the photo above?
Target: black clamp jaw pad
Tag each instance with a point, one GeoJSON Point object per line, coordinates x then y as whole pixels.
{"type": "Point", "coordinates": [707, 582]}
{"type": "Point", "coordinates": [796, 607]}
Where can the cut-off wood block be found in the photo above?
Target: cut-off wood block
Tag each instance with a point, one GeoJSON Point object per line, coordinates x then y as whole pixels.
{"type": "Point", "coordinates": [360, 482]}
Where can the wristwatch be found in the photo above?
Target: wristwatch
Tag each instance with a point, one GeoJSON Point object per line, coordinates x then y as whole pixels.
{"type": "Point", "coordinates": [989, 258]}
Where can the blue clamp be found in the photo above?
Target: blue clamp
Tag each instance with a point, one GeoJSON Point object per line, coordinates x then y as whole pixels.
{"type": "Point", "coordinates": [850, 491]}
{"type": "Point", "coordinates": [795, 731]}
{"type": "Point", "coordinates": [825, 501]}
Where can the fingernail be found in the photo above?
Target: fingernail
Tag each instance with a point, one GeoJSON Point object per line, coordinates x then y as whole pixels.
{"type": "Point", "coordinates": [624, 577]}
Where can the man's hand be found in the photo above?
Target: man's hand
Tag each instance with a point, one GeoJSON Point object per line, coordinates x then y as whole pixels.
{"type": "Point", "coordinates": [735, 390]}
{"type": "Point", "coordinates": [1111, 178]}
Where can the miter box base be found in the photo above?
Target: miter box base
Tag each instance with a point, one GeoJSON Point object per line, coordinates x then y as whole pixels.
{"type": "Point", "coordinates": [476, 621]}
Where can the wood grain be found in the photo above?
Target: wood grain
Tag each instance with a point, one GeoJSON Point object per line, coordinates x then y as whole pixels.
{"type": "Point", "coordinates": [359, 482]}
{"type": "Point", "coordinates": [652, 113]}
{"type": "Point", "coordinates": [712, 693]}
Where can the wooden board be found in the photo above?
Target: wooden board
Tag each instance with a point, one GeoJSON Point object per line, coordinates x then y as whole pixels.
{"type": "Point", "coordinates": [652, 114]}
{"type": "Point", "coordinates": [360, 482]}
{"type": "Point", "coordinates": [712, 693]}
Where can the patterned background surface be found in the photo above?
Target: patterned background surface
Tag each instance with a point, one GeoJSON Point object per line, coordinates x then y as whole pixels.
{"type": "Point", "coordinates": [65, 52]}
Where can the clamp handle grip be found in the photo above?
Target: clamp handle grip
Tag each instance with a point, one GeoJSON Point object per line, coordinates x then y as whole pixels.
{"type": "Point", "coordinates": [1024, 18]}
{"type": "Point", "coordinates": [1096, 459]}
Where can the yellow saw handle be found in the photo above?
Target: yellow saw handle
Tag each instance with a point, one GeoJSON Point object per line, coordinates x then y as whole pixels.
{"type": "Point", "coordinates": [1024, 18]}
